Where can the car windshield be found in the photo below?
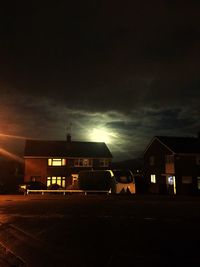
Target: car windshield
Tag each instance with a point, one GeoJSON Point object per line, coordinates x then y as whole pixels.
{"type": "Point", "coordinates": [124, 177]}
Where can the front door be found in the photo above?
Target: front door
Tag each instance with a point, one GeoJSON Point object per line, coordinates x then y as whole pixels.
{"type": "Point", "coordinates": [171, 184]}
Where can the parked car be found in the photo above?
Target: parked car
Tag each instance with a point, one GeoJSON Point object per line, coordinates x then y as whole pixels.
{"type": "Point", "coordinates": [116, 181]}
{"type": "Point", "coordinates": [124, 182]}
{"type": "Point", "coordinates": [31, 186]}
{"type": "Point", "coordinates": [54, 187]}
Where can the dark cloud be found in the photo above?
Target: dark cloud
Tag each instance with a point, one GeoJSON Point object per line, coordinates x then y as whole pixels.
{"type": "Point", "coordinates": [131, 68]}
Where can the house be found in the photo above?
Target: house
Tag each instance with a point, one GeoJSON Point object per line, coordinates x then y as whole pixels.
{"type": "Point", "coordinates": [11, 173]}
{"type": "Point", "coordinates": [172, 165]}
{"type": "Point", "coordinates": [59, 162]}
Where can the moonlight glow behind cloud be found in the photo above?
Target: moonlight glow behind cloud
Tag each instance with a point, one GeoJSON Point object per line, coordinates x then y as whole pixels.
{"type": "Point", "coordinates": [118, 72]}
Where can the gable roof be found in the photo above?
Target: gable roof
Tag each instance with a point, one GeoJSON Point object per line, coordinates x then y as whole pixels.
{"type": "Point", "coordinates": [45, 148]}
{"type": "Point", "coordinates": [185, 145]}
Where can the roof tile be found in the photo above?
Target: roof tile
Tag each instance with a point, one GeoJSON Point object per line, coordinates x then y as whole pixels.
{"type": "Point", "coordinates": [188, 145]}
{"type": "Point", "coordinates": [45, 148]}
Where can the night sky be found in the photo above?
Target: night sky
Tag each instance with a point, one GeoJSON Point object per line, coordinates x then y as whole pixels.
{"type": "Point", "coordinates": [128, 70]}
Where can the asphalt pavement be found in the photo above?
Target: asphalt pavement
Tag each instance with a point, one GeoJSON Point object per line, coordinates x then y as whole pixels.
{"type": "Point", "coordinates": [99, 230]}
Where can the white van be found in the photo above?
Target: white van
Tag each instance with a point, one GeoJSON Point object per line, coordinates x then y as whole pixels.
{"type": "Point", "coordinates": [124, 182]}
{"type": "Point", "coordinates": [115, 181]}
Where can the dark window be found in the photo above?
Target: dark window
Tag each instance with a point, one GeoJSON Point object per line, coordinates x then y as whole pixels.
{"type": "Point", "coordinates": [169, 159]}
{"type": "Point", "coordinates": [151, 160]}
{"type": "Point", "coordinates": [35, 178]}
{"type": "Point", "coordinates": [103, 162]}
{"type": "Point", "coordinates": [124, 177]}
{"type": "Point", "coordinates": [83, 163]}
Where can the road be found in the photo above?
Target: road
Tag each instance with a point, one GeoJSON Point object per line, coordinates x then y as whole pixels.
{"type": "Point", "coordinates": [99, 230]}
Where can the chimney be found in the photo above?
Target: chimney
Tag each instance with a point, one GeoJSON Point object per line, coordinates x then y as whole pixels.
{"type": "Point", "coordinates": [69, 139]}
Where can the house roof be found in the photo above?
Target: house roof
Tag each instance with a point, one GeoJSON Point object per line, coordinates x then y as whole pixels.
{"type": "Point", "coordinates": [185, 145]}
{"type": "Point", "coordinates": [45, 148]}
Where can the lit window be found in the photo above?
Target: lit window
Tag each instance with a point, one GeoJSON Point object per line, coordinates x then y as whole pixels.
{"type": "Point", "coordinates": [153, 178]}
{"type": "Point", "coordinates": [83, 163]}
{"type": "Point", "coordinates": [48, 181]}
{"type": "Point", "coordinates": [103, 162]}
{"type": "Point", "coordinates": [63, 182]}
{"type": "Point", "coordinates": [59, 181]}
{"type": "Point", "coordinates": [53, 180]}
{"type": "Point", "coordinates": [56, 162]}
{"type": "Point", "coordinates": [56, 180]}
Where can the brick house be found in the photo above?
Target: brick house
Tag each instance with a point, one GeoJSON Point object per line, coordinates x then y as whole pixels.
{"type": "Point", "coordinates": [59, 162]}
{"type": "Point", "coordinates": [172, 165]}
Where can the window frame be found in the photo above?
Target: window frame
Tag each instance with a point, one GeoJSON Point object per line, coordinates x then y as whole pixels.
{"type": "Point", "coordinates": [61, 179]}
{"type": "Point", "coordinates": [81, 162]}
{"type": "Point", "coordinates": [186, 179]}
{"type": "Point", "coordinates": [52, 162]}
{"type": "Point", "coordinates": [169, 159]}
{"type": "Point", "coordinates": [104, 162]}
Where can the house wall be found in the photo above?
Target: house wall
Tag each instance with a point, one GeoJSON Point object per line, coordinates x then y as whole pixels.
{"type": "Point", "coordinates": [38, 167]}
{"type": "Point", "coordinates": [57, 171]}
{"type": "Point", "coordinates": [158, 152]}
{"type": "Point", "coordinates": [186, 166]}
{"type": "Point", "coordinates": [60, 171]}
{"type": "Point", "coordinates": [35, 167]}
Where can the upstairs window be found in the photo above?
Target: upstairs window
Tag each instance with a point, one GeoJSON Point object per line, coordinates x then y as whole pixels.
{"type": "Point", "coordinates": [169, 159]}
{"type": "Point", "coordinates": [56, 162]}
{"type": "Point", "coordinates": [103, 162]}
{"type": "Point", "coordinates": [151, 160]}
{"type": "Point", "coordinates": [83, 163]}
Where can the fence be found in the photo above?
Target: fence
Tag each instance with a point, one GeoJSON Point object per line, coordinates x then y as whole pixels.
{"type": "Point", "coordinates": [63, 191]}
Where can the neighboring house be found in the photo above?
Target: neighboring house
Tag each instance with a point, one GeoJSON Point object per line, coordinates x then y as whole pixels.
{"type": "Point", "coordinates": [59, 162]}
{"type": "Point", "coordinates": [11, 174]}
{"type": "Point", "coordinates": [172, 165]}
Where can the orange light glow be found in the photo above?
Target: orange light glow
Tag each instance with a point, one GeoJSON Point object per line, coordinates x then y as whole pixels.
{"type": "Point", "coordinates": [11, 155]}
{"type": "Point", "coordinates": [14, 136]}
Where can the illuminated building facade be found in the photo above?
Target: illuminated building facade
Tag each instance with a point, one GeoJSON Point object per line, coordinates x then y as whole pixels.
{"type": "Point", "coordinates": [59, 162]}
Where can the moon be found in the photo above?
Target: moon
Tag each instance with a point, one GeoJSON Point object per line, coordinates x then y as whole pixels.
{"type": "Point", "coordinates": [100, 135]}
